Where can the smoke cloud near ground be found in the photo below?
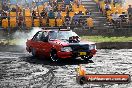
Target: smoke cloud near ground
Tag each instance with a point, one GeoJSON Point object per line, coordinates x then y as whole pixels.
{"type": "Point", "coordinates": [22, 36]}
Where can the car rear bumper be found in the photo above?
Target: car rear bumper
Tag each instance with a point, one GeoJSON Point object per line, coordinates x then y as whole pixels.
{"type": "Point", "coordinates": [28, 49]}
{"type": "Point", "coordinates": [65, 55]}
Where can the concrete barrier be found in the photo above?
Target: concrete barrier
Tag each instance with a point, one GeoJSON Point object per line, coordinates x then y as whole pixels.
{"type": "Point", "coordinates": [114, 45]}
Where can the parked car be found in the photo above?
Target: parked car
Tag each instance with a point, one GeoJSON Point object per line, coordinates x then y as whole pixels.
{"type": "Point", "coordinates": [60, 44]}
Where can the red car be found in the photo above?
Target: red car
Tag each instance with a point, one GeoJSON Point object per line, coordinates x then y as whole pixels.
{"type": "Point", "coordinates": [60, 44]}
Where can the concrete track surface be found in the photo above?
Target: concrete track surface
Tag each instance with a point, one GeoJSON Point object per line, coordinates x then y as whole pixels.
{"type": "Point", "coordinates": [20, 70]}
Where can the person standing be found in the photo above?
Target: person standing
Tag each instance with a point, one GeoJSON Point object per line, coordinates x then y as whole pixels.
{"type": "Point", "coordinates": [90, 24]}
{"type": "Point", "coordinates": [130, 13]}
{"type": "Point", "coordinates": [129, 10]}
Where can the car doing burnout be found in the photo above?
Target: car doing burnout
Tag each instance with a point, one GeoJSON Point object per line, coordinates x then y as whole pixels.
{"type": "Point", "coordinates": [60, 44]}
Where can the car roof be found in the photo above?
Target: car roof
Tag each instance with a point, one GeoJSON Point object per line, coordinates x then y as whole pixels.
{"type": "Point", "coordinates": [48, 30]}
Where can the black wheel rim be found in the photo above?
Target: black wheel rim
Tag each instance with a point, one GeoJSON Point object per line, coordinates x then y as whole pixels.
{"type": "Point", "coordinates": [53, 56]}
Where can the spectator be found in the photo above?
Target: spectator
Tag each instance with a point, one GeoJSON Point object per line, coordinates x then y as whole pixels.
{"type": "Point", "coordinates": [67, 20]}
{"type": "Point", "coordinates": [63, 8]}
{"type": "Point", "coordinates": [67, 9]}
{"type": "Point", "coordinates": [108, 1]}
{"type": "Point", "coordinates": [51, 15]}
{"type": "Point", "coordinates": [18, 9]}
{"type": "Point", "coordinates": [90, 23]}
{"type": "Point", "coordinates": [34, 14]}
{"type": "Point", "coordinates": [115, 17]}
{"type": "Point", "coordinates": [20, 20]}
{"type": "Point", "coordinates": [5, 7]}
{"type": "Point", "coordinates": [115, 2]}
{"type": "Point", "coordinates": [87, 12]}
{"type": "Point", "coordinates": [13, 9]}
{"type": "Point", "coordinates": [107, 7]}
{"type": "Point", "coordinates": [54, 5]}
{"type": "Point", "coordinates": [48, 8]}
{"type": "Point", "coordinates": [67, 17]}
{"type": "Point", "coordinates": [79, 2]}
{"type": "Point", "coordinates": [76, 19]}
{"type": "Point", "coordinates": [4, 15]}
{"type": "Point", "coordinates": [123, 17]}
{"type": "Point", "coordinates": [81, 22]}
{"type": "Point", "coordinates": [129, 10]}
{"type": "Point", "coordinates": [66, 2]}
{"type": "Point", "coordinates": [59, 14]}
{"type": "Point", "coordinates": [80, 13]}
{"type": "Point", "coordinates": [43, 14]}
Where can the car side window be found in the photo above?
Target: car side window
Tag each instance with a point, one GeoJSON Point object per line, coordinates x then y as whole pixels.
{"type": "Point", "coordinates": [44, 36]}
{"type": "Point", "coordinates": [52, 35]}
{"type": "Point", "coordinates": [37, 36]}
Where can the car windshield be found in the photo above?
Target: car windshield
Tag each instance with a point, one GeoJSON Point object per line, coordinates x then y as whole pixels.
{"type": "Point", "coordinates": [63, 35]}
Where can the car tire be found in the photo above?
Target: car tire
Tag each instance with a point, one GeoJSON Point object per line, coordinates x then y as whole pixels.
{"type": "Point", "coordinates": [86, 58]}
{"type": "Point", "coordinates": [33, 51]}
{"type": "Point", "coordinates": [53, 56]}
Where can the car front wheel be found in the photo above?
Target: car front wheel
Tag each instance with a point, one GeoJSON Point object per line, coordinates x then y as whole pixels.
{"type": "Point", "coordinates": [33, 51]}
{"type": "Point", "coordinates": [53, 56]}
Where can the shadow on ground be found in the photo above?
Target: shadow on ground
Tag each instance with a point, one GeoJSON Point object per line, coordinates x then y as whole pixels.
{"type": "Point", "coordinates": [62, 62]}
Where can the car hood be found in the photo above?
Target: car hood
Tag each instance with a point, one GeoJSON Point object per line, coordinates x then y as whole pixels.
{"type": "Point", "coordinates": [66, 43]}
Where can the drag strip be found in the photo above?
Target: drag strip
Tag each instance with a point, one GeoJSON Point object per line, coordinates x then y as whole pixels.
{"type": "Point", "coordinates": [20, 69]}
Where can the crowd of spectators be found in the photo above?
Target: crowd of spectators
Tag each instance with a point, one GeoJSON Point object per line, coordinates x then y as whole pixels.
{"type": "Point", "coordinates": [50, 13]}
{"type": "Point", "coordinates": [114, 11]}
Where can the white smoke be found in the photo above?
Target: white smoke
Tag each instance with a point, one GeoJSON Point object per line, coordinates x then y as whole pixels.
{"type": "Point", "coordinates": [22, 36]}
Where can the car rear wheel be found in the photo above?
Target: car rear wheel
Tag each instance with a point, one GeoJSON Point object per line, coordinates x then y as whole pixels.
{"type": "Point", "coordinates": [53, 56]}
{"type": "Point", "coordinates": [86, 58]}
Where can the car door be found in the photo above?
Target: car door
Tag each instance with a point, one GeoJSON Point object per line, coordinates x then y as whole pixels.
{"type": "Point", "coordinates": [36, 42]}
{"type": "Point", "coordinates": [45, 44]}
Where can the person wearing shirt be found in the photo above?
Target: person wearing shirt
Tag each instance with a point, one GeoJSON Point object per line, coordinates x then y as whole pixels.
{"type": "Point", "coordinates": [51, 15]}
{"type": "Point", "coordinates": [59, 14]}
{"type": "Point", "coordinates": [129, 10]}
{"type": "Point", "coordinates": [66, 2]}
{"type": "Point", "coordinates": [48, 8]}
{"type": "Point", "coordinates": [43, 14]}
{"type": "Point", "coordinates": [115, 17]}
{"type": "Point", "coordinates": [5, 7]}
{"type": "Point", "coordinates": [115, 2]}
{"type": "Point", "coordinates": [76, 19]}
{"type": "Point", "coordinates": [90, 22]}
{"type": "Point", "coordinates": [79, 2]}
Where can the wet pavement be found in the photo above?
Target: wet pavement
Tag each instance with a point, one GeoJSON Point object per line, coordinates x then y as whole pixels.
{"type": "Point", "coordinates": [21, 70]}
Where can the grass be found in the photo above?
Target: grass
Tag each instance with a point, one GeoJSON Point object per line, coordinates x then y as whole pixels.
{"type": "Point", "coordinates": [107, 39]}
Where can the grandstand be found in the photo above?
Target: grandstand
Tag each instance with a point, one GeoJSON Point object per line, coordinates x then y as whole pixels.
{"type": "Point", "coordinates": [82, 14]}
